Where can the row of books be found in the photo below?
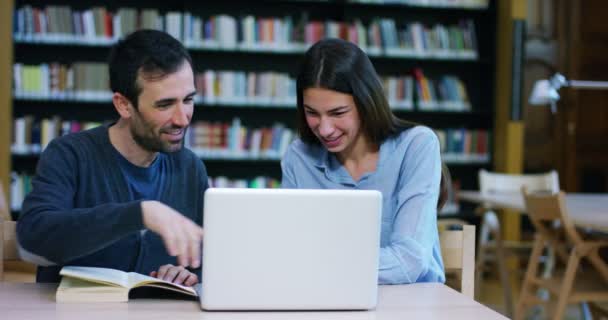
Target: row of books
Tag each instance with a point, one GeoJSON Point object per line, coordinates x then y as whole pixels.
{"type": "Point", "coordinates": [446, 93]}
{"type": "Point", "coordinates": [208, 140]}
{"type": "Point", "coordinates": [217, 140]}
{"type": "Point", "coordinates": [89, 82]}
{"type": "Point", "coordinates": [235, 141]}
{"type": "Point", "coordinates": [381, 36]}
{"type": "Point", "coordinates": [257, 182]}
{"type": "Point", "coordinates": [246, 88]}
{"type": "Point", "coordinates": [31, 136]}
{"type": "Point", "coordinates": [464, 145]}
{"type": "Point", "coordinates": [83, 81]}
{"type": "Point", "coordinates": [21, 185]}
{"type": "Point", "coordinates": [464, 4]}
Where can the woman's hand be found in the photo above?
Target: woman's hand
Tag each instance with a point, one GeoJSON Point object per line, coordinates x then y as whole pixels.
{"type": "Point", "coordinates": [175, 274]}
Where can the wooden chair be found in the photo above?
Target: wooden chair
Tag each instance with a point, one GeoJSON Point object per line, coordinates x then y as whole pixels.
{"type": "Point", "coordinates": [8, 244]}
{"type": "Point", "coordinates": [490, 235]}
{"type": "Point", "coordinates": [8, 236]}
{"type": "Point", "coordinates": [4, 211]}
{"type": "Point", "coordinates": [571, 248]}
{"type": "Point", "coordinates": [458, 252]}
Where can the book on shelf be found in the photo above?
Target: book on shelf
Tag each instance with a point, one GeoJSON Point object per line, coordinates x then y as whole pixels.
{"type": "Point", "coordinates": [445, 93]}
{"type": "Point", "coordinates": [463, 145]}
{"type": "Point", "coordinates": [90, 284]}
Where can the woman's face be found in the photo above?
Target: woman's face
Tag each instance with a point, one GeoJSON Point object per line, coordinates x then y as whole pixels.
{"type": "Point", "coordinates": [333, 118]}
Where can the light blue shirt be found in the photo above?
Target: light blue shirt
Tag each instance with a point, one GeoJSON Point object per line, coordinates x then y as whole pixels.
{"type": "Point", "coordinates": [408, 174]}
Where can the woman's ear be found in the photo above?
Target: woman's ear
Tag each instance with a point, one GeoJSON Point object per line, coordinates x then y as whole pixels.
{"type": "Point", "coordinates": [122, 105]}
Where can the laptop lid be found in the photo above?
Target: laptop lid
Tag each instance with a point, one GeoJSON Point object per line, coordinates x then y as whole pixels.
{"type": "Point", "coordinates": [290, 249]}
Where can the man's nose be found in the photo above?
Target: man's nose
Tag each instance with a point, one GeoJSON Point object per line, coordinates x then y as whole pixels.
{"type": "Point", "coordinates": [181, 115]}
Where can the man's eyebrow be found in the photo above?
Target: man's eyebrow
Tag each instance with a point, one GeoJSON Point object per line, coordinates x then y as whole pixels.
{"type": "Point", "coordinates": [165, 101]}
{"type": "Point", "coordinates": [172, 100]}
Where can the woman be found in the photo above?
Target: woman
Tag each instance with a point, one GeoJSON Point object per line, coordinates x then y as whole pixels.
{"type": "Point", "coordinates": [349, 139]}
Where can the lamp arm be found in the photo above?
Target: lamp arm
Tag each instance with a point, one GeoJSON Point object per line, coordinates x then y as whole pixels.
{"type": "Point", "coordinates": [587, 84]}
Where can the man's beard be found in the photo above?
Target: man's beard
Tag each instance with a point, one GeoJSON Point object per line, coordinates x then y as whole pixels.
{"type": "Point", "coordinates": [149, 141]}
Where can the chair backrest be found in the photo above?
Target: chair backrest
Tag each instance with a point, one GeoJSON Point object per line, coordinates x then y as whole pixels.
{"type": "Point", "coordinates": [543, 208]}
{"type": "Point", "coordinates": [490, 182]}
{"type": "Point", "coordinates": [8, 243]}
{"type": "Point", "coordinates": [4, 211]}
{"type": "Point", "coordinates": [458, 252]}
{"type": "Point", "coordinates": [8, 236]}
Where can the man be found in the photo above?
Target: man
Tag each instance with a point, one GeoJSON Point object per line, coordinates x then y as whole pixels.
{"type": "Point", "coordinates": [126, 195]}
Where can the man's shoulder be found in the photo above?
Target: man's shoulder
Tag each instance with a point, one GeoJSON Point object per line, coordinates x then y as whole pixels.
{"type": "Point", "coordinates": [81, 141]}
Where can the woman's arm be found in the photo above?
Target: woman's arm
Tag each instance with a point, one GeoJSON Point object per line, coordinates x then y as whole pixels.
{"type": "Point", "coordinates": [409, 257]}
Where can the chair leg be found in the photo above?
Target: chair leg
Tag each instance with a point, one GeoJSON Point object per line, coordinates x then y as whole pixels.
{"type": "Point", "coordinates": [598, 263]}
{"type": "Point", "coordinates": [479, 267]}
{"type": "Point", "coordinates": [566, 287]}
{"type": "Point", "coordinates": [531, 271]}
{"type": "Point", "coordinates": [1, 243]}
{"type": "Point", "coordinates": [597, 312]}
{"type": "Point", "coordinates": [482, 243]}
{"type": "Point", "coordinates": [504, 276]}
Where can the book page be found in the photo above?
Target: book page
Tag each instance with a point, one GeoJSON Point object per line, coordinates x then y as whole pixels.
{"type": "Point", "coordinates": [77, 290]}
{"type": "Point", "coordinates": [99, 275]}
{"type": "Point", "coordinates": [138, 280]}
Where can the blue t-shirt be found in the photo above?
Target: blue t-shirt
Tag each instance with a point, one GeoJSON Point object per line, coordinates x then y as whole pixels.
{"type": "Point", "coordinates": [144, 182]}
{"type": "Point", "coordinates": [408, 174]}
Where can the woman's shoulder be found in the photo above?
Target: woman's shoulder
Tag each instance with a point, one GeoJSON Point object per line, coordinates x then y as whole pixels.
{"type": "Point", "coordinates": [304, 149]}
{"type": "Point", "coordinates": [417, 134]}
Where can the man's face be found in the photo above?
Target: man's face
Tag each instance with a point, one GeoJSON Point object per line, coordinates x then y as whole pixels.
{"type": "Point", "coordinates": [164, 111]}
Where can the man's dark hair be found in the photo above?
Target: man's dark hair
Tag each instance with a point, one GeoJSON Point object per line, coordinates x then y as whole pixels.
{"type": "Point", "coordinates": [152, 54]}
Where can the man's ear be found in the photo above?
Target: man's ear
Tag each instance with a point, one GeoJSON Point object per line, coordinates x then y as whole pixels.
{"type": "Point", "coordinates": [122, 105]}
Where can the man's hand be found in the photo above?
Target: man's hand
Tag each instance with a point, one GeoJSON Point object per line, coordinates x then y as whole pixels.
{"type": "Point", "coordinates": [181, 236]}
{"type": "Point", "coordinates": [175, 274]}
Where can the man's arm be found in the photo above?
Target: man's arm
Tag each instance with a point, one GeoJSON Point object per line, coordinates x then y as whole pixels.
{"type": "Point", "coordinates": [50, 226]}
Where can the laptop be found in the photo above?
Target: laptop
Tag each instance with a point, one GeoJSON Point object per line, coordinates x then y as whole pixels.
{"type": "Point", "coordinates": [290, 249]}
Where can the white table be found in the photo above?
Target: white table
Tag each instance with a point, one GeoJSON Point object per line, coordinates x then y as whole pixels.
{"type": "Point", "coordinates": [588, 210]}
{"type": "Point", "coordinates": [416, 301]}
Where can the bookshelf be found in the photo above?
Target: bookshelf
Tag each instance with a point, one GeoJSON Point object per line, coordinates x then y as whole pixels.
{"type": "Point", "coordinates": [437, 62]}
{"type": "Point", "coordinates": [6, 61]}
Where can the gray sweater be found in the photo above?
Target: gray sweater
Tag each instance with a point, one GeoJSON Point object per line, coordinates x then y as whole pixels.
{"type": "Point", "coordinates": [82, 211]}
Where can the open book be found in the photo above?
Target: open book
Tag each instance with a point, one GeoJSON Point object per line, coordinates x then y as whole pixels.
{"type": "Point", "coordinates": [89, 284]}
